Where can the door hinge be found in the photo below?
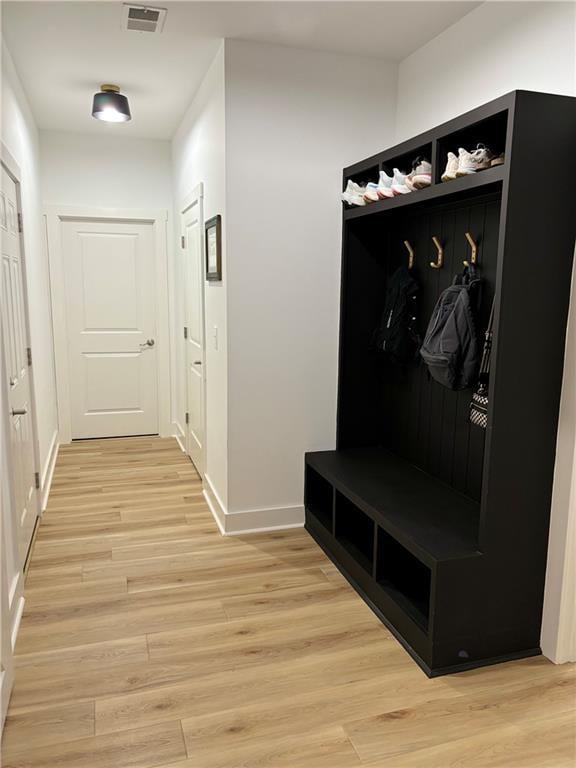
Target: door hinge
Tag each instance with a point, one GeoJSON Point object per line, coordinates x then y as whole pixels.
{"type": "Point", "coordinates": [37, 480]}
{"type": "Point", "coordinates": [185, 332]}
{"type": "Point", "coordinates": [187, 418]}
{"type": "Point", "coordinates": [20, 227]}
{"type": "Point", "coordinates": [183, 241]}
{"type": "Point", "coordinates": [29, 355]}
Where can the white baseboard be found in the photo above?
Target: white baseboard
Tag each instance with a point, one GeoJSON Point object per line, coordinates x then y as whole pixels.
{"type": "Point", "coordinates": [215, 504]}
{"type": "Point", "coordinates": [180, 436]}
{"type": "Point", "coordinates": [250, 520]}
{"type": "Point", "coordinates": [48, 471]}
{"type": "Point", "coordinates": [262, 520]}
{"type": "Point", "coordinates": [16, 621]}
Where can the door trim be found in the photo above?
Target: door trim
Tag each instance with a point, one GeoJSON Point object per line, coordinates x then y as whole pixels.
{"type": "Point", "coordinates": [13, 170]}
{"type": "Point", "coordinates": [55, 215]}
{"type": "Point", "coordinates": [196, 196]}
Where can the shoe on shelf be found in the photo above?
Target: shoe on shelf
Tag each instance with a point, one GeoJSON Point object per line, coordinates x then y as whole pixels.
{"type": "Point", "coordinates": [451, 167]}
{"type": "Point", "coordinates": [399, 186]}
{"type": "Point", "coordinates": [421, 174]}
{"type": "Point", "coordinates": [353, 194]}
{"type": "Point", "coordinates": [385, 186]}
{"type": "Point", "coordinates": [498, 160]}
{"type": "Point", "coordinates": [472, 162]}
{"type": "Point", "coordinates": [371, 193]}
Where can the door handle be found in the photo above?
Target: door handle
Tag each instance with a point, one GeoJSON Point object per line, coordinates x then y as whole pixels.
{"type": "Point", "coordinates": [19, 411]}
{"type": "Point", "coordinates": [197, 362]}
{"type": "Point", "coordinates": [147, 343]}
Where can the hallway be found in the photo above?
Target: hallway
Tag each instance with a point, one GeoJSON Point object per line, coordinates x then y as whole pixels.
{"type": "Point", "coordinates": [150, 640]}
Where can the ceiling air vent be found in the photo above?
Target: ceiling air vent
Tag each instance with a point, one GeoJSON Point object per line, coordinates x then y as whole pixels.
{"type": "Point", "coordinates": [141, 18]}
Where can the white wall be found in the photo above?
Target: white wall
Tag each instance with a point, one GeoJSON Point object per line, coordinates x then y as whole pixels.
{"type": "Point", "coordinates": [294, 118]}
{"type": "Point", "coordinates": [20, 136]}
{"type": "Point", "coordinates": [198, 155]}
{"type": "Point", "coordinates": [105, 171]}
{"type": "Point", "coordinates": [497, 48]}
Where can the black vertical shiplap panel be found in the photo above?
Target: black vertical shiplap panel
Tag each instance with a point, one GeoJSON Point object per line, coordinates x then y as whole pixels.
{"type": "Point", "coordinates": [447, 427]}
{"type": "Point", "coordinates": [440, 395]}
{"type": "Point", "coordinates": [462, 398]}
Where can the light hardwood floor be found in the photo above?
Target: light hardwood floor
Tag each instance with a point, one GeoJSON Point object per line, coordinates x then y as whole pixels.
{"type": "Point", "coordinates": [150, 640]}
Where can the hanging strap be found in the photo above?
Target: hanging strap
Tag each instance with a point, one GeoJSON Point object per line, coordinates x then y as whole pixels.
{"type": "Point", "coordinates": [485, 364]}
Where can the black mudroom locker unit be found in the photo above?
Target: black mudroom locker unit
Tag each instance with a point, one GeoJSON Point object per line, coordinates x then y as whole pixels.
{"type": "Point", "coordinates": [442, 526]}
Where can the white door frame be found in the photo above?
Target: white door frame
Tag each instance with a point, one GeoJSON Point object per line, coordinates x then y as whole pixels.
{"type": "Point", "coordinates": [197, 194]}
{"type": "Point", "coordinates": [13, 170]}
{"type": "Point", "coordinates": [55, 215]}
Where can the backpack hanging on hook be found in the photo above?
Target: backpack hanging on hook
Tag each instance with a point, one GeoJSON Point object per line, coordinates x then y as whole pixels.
{"type": "Point", "coordinates": [450, 349]}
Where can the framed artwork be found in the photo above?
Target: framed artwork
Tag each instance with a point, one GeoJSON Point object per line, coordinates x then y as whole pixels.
{"type": "Point", "coordinates": [213, 248]}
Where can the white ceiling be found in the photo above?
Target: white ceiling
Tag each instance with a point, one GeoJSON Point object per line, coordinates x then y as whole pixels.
{"type": "Point", "coordinates": [64, 50]}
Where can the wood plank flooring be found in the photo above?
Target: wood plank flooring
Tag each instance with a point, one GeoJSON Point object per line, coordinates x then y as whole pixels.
{"type": "Point", "coordinates": [149, 640]}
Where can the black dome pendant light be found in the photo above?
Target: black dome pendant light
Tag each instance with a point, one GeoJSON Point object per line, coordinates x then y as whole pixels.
{"type": "Point", "coordinates": [110, 105]}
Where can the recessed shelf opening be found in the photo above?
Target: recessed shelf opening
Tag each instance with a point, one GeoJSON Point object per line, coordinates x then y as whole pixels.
{"type": "Point", "coordinates": [371, 173]}
{"type": "Point", "coordinates": [491, 132]}
{"type": "Point", "coordinates": [404, 161]}
{"type": "Point", "coordinates": [404, 578]}
{"type": "Point", "coordinates": [319, 498]}
{"type": "Point", "coordinates": [355, 532]}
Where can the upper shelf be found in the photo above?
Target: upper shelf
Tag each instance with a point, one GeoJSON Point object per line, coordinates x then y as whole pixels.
{"type": "Point", "coordinates": [428, 517]}
{"type": "Point", "coordinates": [481, 181]}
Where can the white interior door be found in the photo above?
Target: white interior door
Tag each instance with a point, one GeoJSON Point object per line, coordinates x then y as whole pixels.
{"type": "Point", "coordinates": [15, 341]}
{"type": "Point", "coordinates": [192, 239]}
{"type": "Point", "coordinates": [109, 268]}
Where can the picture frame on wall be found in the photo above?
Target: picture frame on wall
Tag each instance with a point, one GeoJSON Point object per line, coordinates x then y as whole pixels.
{"type": "Point", "coordinates": [213, 248]}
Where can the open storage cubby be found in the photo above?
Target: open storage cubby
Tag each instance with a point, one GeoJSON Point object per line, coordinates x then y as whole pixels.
{"type": "Point", "coordinates": [364, 174]}
{"type": "Point", "coordinates": [404, 578]}
{"type": "Point", "coordinates": [319, 498]}
{"type": "Point", "coordinates": [355, 531]}
{"type": "Point", "coordinates": [439, 524]}
{"type": "Point", "coordinates": [491, 131]}
{"type": "Point", "coordinates": [405, 160]}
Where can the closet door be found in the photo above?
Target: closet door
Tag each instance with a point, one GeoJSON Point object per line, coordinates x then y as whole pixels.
{"type": "Point", "coordinates": [15, 342]}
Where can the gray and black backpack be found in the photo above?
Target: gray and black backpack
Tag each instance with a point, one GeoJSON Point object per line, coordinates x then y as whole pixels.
{"type": "Point", "coordinates": [451, 350]}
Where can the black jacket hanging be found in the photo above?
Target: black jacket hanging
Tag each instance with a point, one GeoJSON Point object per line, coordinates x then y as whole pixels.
{"type": "Point", "coordinates": [396, 335]}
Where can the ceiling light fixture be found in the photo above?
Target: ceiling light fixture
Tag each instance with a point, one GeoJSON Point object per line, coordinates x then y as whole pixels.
{"type": "Point", "coordinates": [110, 105]}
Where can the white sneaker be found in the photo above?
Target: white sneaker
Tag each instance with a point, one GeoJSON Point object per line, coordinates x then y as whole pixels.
{"type": "Point", "coordinates": [399, 186]}
{"type": "Point", "coordinates": [385, 186]}
{"type": "Point", "coordinates": [353, 194]}
{"type": "Point", "coordinates": [472, 162]}
{"type": "Point", "coordinates": [420, 176]}
{"type": "Point", "coordinates": [371, 193]}
{"type": "Point", "coordinates": [451, 167]}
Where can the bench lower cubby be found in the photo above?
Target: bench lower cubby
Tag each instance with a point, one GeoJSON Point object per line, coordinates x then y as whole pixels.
{"type": "Point", "coordinates": [420, 570]}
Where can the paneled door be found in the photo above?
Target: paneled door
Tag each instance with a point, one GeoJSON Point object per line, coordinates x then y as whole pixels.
{"type": "Point", "coordinates": [192, 239]}
{"type": "Point", "coordinates": [109, 268]}
{"type": "Point", "coordinates": [17, 363]}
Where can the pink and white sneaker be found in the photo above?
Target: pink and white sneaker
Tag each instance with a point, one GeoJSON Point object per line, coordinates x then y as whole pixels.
{"type": "Point", "coordinates": [420, 175]}
{"type": "Point", "coordinates": [399, 186]}
{"type": "Point", "coordinates": [371, 193]}
{"type": "Point", "coordinates": [385, 186]}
